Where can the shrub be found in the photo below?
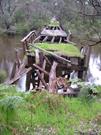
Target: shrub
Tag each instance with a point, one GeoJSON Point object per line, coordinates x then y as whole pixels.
{"type": "Point", "coordinates": [8, 106]}
{"type": "Point", "coordinates": [3, 76]}
{"type": "Point", "coordinates": [86, 92]}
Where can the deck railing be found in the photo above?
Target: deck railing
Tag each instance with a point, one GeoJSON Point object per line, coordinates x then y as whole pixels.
{"type": "Point", "coordinates": [28, 39]}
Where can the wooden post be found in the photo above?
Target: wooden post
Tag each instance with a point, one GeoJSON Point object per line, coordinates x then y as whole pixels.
{"type": "Point", "coordinates": [52, 39]}
{"type": "Point", "coordinates": [37, 57]}
{"type": "Point", "coordinates": [42, 74]}
{"type": "Point", "coordinates": [29, 74]}
{"type": "Point", "coordinates": [13, 71]}
{"type": "Point", "coordinates": [18, 61]}
{"type": "Point", "coordinates": [42, 80]}
{"type": "Point", "coordinates": [81, 63]}
{"type": "Point", "coordinates": [24, 48]}
{"type": "Point", "coordinates": [87, 59]}
{"type": "Point", "coordinates": [28, 80]}
{"type": "Point", "coordinates": [52, 78]}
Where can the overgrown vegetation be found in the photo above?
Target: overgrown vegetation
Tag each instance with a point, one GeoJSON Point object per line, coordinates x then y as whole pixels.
{"type": "Point", "coordinates": [43, 113]}
{"type": "Point", "coordinates": [63, 49]}
{"type": "Point", "coordinates": [3, 76]}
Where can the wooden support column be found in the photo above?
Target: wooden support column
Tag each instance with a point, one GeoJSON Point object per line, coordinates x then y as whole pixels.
{"type": "Point", "coordinates": [28, 75]}
{"type": "Point", "coordinates": [42, 80]}
{"type": "Point", "coordinates": [24, 47]}
{"type": "Point", "coordinates": [42, 74]}
{"type": "Point", "coordinates": [52, 78]}
{"type": "Point", "coordinates": [38, 62]}
{"type": "Point", "coordinates": [18, 61]}
{"type": "Point", "coordinates": [45, 39]}
{"type": "Point", "coordinates": [52, 39]}
{"type": "Point", "coordinates": [37, 57]}
{"type": "Point", "coordinates": [87, 54]}
{"type": "Point", "coordinates": [13, 71]}
{"type": "Point", "coordinates": [81, 63]}
{"type": "Point", "coordinates": [16, 65]}
{"type": "Point", "coordinates": [28, 80]}
{"type": "Point", "coordinates": [60, 40]}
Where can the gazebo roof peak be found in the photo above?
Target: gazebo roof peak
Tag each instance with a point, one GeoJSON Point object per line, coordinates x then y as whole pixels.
{"type": "Point", "coordinates": [54, 22]}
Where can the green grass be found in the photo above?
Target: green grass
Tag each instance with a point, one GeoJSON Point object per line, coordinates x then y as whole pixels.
{"type": "Point", "coordinates": [61, 49]}
{"type": "Point", "coordinates": [42, 113]}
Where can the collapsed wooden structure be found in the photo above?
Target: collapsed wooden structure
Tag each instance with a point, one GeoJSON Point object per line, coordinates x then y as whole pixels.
{"type": "Point", "coordinates": [49, 58]}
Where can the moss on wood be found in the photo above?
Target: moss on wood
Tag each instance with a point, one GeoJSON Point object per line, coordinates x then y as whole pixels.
{"type": "Point", "coordinates": [61, 49]}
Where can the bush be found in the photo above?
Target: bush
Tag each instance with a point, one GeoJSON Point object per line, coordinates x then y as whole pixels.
{"type": "Point", "coordinates": [86, 92]}
{"type": "Point", "coordinates": [3, 76]}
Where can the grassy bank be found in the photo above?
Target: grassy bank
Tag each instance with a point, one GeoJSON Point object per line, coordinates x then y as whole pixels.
{"type": "Point", "coordinates": [42, 113]}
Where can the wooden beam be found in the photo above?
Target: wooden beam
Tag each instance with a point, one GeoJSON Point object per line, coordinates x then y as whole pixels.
{"type": "Point", "coordinates": [37, 39]}
{"type": "Point", "coordinates": [13, 71]}
{"type": "Point", "coordinates": [45, 38]}
{"type": "Point", "coordinates": [29, 35]}
{"type": "Point", "coordinates": [42, 80]}
{"type": "Point", "coordinates": [60, 40]}
{"type": "Point", "coordinates": [42, 70]}
{"type": "Point", "coordinates": [55, 55]}
{"type": "Point", "coordinates": [17, 77]}
{"type": "Point", "coordinates": [52, 39]}
{"type": "Point", "coordinates": [23, 71]}
{"type": "Point", "coordinates": [47, 60]}
{"type": "Point", "coordinates": [17, 58]}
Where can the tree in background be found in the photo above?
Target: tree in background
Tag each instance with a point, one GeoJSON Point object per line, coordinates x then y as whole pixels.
{"type": "Point", "coordinates": [83, 17]}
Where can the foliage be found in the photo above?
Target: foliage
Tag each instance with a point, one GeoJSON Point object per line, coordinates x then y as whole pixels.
{"type": "Point", "coordinates": [44, 113]}
{"type": "Point", "coordinates": [22, 28]}
{"type": "Point", "coordinates": [82, 17]}
{"type": "Point", "coordinates": [3, 76]}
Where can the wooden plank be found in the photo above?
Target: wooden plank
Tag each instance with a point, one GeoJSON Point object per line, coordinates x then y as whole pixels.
{"type": "Point", "coordinates": [42, 70]}
{"type": "Point", "coordinates": [25, 71]}
{"type": "Point", "coordinates": [29, 35]}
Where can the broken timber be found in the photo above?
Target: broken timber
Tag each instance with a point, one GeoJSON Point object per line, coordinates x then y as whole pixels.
{"type": "Point", "coordinates": [45, 66]}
